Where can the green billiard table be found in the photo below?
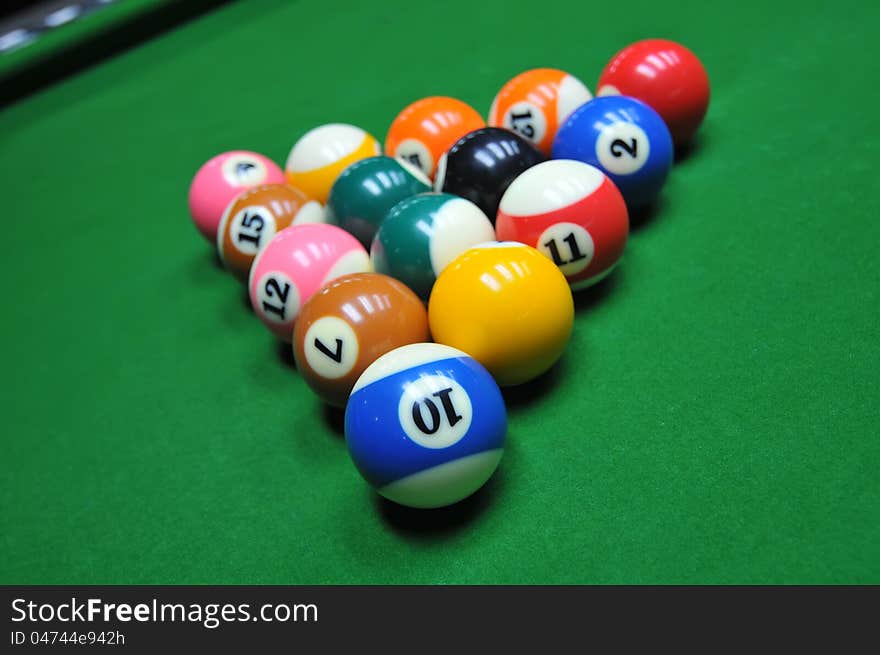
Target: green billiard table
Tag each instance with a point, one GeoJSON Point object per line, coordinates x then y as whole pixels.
{"type": "Point", "coordinates": [714, 419]}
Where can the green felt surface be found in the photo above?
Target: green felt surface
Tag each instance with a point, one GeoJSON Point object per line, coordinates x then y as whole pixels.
{"type": "Point", "coordinates": [714, 420]}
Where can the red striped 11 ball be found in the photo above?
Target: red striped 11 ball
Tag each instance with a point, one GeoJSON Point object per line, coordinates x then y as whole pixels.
{"type": "Point", "coordinates": [571, 212]}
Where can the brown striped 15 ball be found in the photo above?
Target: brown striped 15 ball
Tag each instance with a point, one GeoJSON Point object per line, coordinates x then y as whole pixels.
{"type": "Point", "coordinates": [255, 216]}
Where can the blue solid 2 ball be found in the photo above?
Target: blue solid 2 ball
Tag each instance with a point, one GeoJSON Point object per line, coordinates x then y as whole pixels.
{"type": "Point", "coordinates": [425, 425]}
{"type": "Point", "coordinates": [624, 138]}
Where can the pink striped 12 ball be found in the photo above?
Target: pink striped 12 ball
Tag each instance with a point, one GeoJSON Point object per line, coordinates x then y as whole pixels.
{"type": "Point", "coordinates": [570, 211]}
{"type": "Point", "coordinates": [296, 263]}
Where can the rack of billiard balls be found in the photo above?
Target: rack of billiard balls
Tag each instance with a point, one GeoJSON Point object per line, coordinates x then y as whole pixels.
{"type": "Point", "coordinates": [412, 284]}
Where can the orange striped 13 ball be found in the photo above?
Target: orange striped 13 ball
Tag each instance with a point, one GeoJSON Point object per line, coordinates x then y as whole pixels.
{"type": "Point", "coordinates": [536, 102]}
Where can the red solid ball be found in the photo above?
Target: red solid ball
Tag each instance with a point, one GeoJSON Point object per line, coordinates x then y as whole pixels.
{"type": "Point", "coordinates": [665, 75]}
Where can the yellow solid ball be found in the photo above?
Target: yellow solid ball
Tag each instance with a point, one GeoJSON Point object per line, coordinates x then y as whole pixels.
{"type": "Point", "coordinates": [507, 306]}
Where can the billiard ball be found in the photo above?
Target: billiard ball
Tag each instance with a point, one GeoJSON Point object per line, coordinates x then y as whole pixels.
{"type": "Point", "coordinates": [321, 154]}
{"type": "Point", "coordinates": [425, 425]}
{"type": "Point", "coordinates": [255, 216]}
{"type": "Point", "coordinates": [666, 76]}
{"type": "Point", "coordinates": [506, 305]}
{"type": "Point", "coordinates": [571, 212]}
{"type": "Point", "coordinates": [422, 234]}
{"type": "Point", "coordinates": [536, 102]}
{"type": "Point", "coordinates": [366, 190]}
{"type": "Point", "coordinates": [625, 139]}
{"type": "Point", "coordinates": [427, 128]}
{"type": "Point", "coordinates": [298, 261]}
{"type": "Point", "coordinates": [350, 323]}
{"type": "Point", "coordinates": [482, 164]}
{"type": "Point", "coordinates": [222, 178]}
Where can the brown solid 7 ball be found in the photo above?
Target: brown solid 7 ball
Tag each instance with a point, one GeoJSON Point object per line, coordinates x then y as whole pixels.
{"type": "Point", "coordinates": [349, 324]}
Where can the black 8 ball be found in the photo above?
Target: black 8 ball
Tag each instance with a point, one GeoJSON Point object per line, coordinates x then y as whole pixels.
{"type": "Point", "coordinates": [482, 164]}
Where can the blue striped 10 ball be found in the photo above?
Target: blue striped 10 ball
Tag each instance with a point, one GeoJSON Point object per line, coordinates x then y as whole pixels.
{"type": "Point", "coordinates": [425, 425]}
